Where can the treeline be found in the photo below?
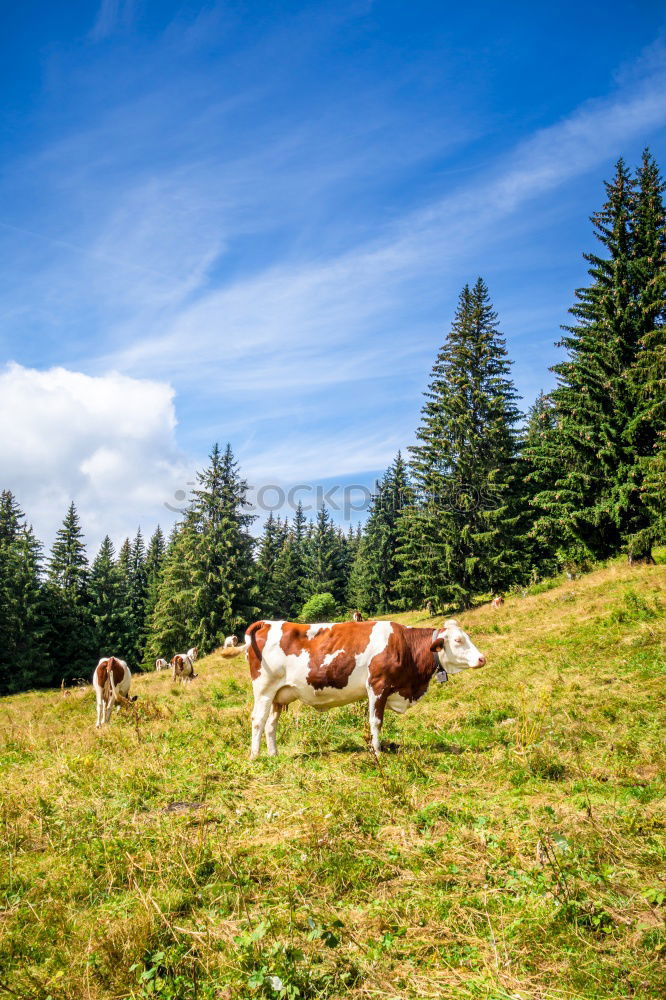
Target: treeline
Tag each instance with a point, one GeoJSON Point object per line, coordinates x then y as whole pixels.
{"type": "Point", "coordinates": [210, 579]}
{"type": "Point", "coordinates": [486, 501]}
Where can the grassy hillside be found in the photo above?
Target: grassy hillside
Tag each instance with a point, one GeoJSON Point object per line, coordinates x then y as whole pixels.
{"type": "Point", "coordinates": [512, 847]}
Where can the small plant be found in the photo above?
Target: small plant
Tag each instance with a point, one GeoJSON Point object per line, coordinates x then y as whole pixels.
{"type": "Point", "coordinates": [319, 608]}
{"type": "Point", "coordinates": [274, 968]}
{"type": "Point", "coordinates": [543, 765]}
{"type": "Point", "coordinates": [531, 721]}
{"type": "Point", "coordinates": [635, 608]}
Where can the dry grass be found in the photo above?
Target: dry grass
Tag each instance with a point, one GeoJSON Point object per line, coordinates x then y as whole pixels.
{"type": "Point", "coordinates": [512, 847]}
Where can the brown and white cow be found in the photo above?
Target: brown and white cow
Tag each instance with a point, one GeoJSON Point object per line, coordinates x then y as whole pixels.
{"type": "Point", "coordinates": [161, 663]}
{"type": "Point", "coordinates": [497, 602]}
{"type": "Point", "coordinates": [357, 617]}
{"type": "Point", "coordinates": [111, 679]}
{"type": "Point", "coordinates": [328, 665]}
{"type": "Point", "coordinates": [193, 653]}
{"type": "Point", "coordinates": [182, 666]}
{"type": "Point", "coordinates": [231, 642]}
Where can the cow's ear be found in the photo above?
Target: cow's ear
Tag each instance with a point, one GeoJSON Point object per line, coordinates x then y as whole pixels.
{"type": "Point", "coordinates": [437, 645]}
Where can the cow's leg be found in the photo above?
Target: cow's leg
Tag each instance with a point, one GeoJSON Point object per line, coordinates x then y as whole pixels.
{"type": "Point", "coordinates": [109, 707]}
{"type": "Point", "coordinates": [99, 710]}
{"type": "Point", "coordinates": [263, 702]}
{"type": "Point", "coordinates": [271, 729]}
{"type": "Point", "coordinates": [376, 706]}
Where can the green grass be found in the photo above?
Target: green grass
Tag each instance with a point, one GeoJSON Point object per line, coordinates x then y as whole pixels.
{"type": "Point", "coordinates": [511, 844]}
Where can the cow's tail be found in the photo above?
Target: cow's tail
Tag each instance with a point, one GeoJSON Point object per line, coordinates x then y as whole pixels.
{"type": "Point", "coordinates": [106, 687]}
{"type": "Point", "coordinates": [251, 640]}
{"type": "Point", "coordinates": [110, 676]}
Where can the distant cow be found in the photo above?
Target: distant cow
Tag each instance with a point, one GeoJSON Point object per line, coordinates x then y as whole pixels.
{"type": "Point", "coordinates": [161, 664]}
{"type": "Point", "coordinates": [183, 668]}
{"type": "Point", "coordinates": [357, 617]}
{"type": "Point", "coordinates": [230, 641]}
{"type": "Point", "coordinates": [111, 681]}
{"type": "Point", "coordinates": [329, 665]}
{"type": "Point", "coordinates": [497, 602]}
{"type": "Point", "coordinates": [193, 653]}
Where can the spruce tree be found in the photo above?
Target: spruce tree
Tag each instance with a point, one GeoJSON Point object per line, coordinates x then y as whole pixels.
{"type": "Point", "coordinates": [172, 619]}
{"type": "Point", "coordinates": [541, 466]}
{"type": "Point", "coordinates": [137, 588]}
{"type": "Point", "coordinates": [155, 554]}
{"type": "Point", "coordinates": [346, 550]}
{"type": "Point", "coordinates": [375, 570]}
{"type": "Point", "coordinates": [598, 497]}
{"type": "Point", "coordinates": [224, 580]}
{"type": "Point", "coordinates": [154, 563]}
{"type": "Point", "coordinates": [24, 656]}
{"type": "Point", "coordinates": [125, 565]}
{"type": "Point", "coordinates": [324, 559]}
{"type": "Point", "coordinates": [139, 575]}
{"type": "Point", "coordinates": [271, 547]}
{"type": "Point", "coordinates": [463, 534]}
{"type": "Point", "coordinates": [290, 571]}
{"type": "Point", "coordinates": [68, 565]}
{"type": "Point", "coordinates": [207, 586]}
{"type": "Point", "coordinates": [647, 430]}
{"type": "Point", "coordinates": [69, 629]}
{"type": "Point", "coordinates": [112, 631]}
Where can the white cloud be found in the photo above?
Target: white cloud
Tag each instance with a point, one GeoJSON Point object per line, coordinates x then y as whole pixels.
{"type": "Point", "coordinates": [106, 442]}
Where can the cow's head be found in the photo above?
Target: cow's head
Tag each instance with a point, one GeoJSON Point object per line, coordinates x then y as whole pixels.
{"type": "Point", "coordinates": [455, 649]}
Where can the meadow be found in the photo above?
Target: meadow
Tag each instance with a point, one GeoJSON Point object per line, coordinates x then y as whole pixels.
{"type": "Point", "coordinates": [508, 845]}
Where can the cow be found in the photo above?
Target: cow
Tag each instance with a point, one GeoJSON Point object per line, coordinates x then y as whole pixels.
{"type": "Point", "coordinates": [231, 641]}
{"type": "Point", "coordinates": [183, 668]}
{"type": "Point", "coordinates": [161, 664]}
{"type": "Point", "coordinates": [193, 653]}
{"type": "Point", "coordinates": [497, 602]}
{"type": "Point", "coordinates": [111, 681]}
{"type": "Point", "coordinates": [326, 665]}
{"type": "Point", "coordinates": [357, 617]}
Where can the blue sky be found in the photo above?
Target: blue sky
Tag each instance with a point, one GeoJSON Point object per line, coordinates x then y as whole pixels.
{"type": "Point", "coordinates": [251, 222]}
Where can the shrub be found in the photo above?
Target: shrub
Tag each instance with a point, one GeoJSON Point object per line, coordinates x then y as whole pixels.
{"type": "Point", "coordinates": [319, 608]}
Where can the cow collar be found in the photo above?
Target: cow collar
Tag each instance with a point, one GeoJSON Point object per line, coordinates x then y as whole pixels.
{"type": "Point", "coordinates": [440, 672]}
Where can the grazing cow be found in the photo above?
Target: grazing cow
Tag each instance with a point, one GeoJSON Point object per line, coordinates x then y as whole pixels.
{"type": "Point", "coordinates": [193, 653]}
{"type": "Point", "coordinates": [183, 668]}
{"type": "Point", "coordinates": [357, 617]}
{"type": "Point", "coordinates": [161, 664]}
{"type": "Point", "coordinates": [329, 665]}
{"type": "Point", "coordinates": [230, 641]}
{"type": "Point", "coordinates": [111, 681]}
{"type": "Point", "coordinates": [497, 602]}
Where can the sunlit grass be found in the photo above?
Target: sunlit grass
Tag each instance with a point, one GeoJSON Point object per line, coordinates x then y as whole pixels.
{"type": "Point", "coordinates": [511, 844]}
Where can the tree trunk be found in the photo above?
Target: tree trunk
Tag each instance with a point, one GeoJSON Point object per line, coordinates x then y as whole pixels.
{"type": "Point", "coordinates": [641, 558]}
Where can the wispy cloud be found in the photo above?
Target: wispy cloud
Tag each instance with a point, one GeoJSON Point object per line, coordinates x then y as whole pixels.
{"type": "Point", "coordinates": [300, 324]}
{"type": "Point", "coordinates": [282, 266]}
{"type": "Point", "coordinates": [110, 15]}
